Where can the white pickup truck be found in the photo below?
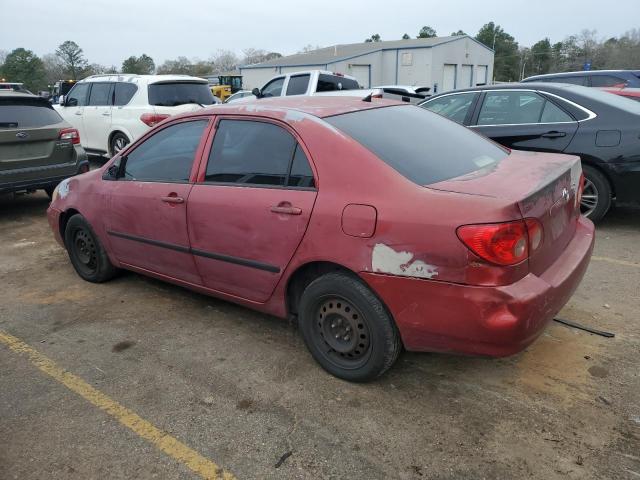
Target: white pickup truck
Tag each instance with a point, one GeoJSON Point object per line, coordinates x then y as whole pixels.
{"type": "Point", "coordinates": [325, 83]}
{"type": "Point", "coordinates": [311, 82]}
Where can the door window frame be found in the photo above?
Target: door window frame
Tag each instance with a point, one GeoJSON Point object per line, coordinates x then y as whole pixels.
{"type": "Point", "coordinates": [109, 98]}
{"type": "Point", "coordinates": [544, 95]}
{"type": "Point", "coordinates": [197, 157]}
{"type": "Point", "coordinates": [204, 162]}
{"type": "Point", "coordinates": [470, 112]}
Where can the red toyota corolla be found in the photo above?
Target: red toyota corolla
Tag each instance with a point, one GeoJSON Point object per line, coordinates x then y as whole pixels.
{"type": "Point", "coordinates": [378, 225]}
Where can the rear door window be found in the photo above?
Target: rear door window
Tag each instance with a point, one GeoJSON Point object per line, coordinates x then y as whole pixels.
{"type": "Point", "coordinates": [551, 113]}
{"type": "Point", "coordinates": [455, 107]}
{"type": "Point", "coordinates": [26, 113]}
{"type": "Point", "coordinates": [298, 85]}
{"type": "Point", "coordinates": [422, 146]}
{"type": "Point", "coordinates": [171, 94]}
{"type": "Point", "coordinates": [511, 108]}
{"type": "Point", "coordinates": [78, 95]}
{"type": "Point", "coordinates": [167, 156]}
{"type": "Point", "coordinates": [257, 153]}
{"type": "Point", "coordinates": [100, 94]}
{"type": "Point", "coordinates": [124, 92]}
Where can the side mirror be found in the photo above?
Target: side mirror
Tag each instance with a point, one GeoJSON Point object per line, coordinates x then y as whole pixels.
{"type": "Point", "coordinates": [257, 92]}
{"type": "Point", "coordinates": [113, 172]}
{"type": "Point", "coordinates": [61, 100]}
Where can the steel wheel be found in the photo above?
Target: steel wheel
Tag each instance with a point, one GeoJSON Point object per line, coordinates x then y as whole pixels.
{"type": "Point", "coordinates": [85, 251]}
{"type": "Point", "coordinates": [341, 333]}
{"type": "Point", "coordinates": [589, 200]}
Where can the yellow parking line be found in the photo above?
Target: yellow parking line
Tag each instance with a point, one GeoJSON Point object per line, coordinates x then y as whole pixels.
{"type": "Point", "coordinates": [200, 465]}
{"type": "Point", "coordinates": [613, 260]}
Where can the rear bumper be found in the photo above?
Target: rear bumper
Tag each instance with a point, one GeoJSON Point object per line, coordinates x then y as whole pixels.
{"type": "Point", "coordinates": [493, 321]}
{"type": "Point", "coordinates": [35, 178]}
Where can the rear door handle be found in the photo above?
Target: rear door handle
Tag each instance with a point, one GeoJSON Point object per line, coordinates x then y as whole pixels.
{"type": "Point", "coordinates": [286, 209]}
{"type": "Point", "coordinates": [106, 114]}
{"type": "Point", "coordinates": [554, 134]}
{"type": "Point", "coordinates": [172, 199]}
{"type": "Point", "coordinates": [78, 113]}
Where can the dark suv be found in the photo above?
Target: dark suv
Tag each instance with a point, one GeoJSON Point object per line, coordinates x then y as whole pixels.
{"type": "Point", "coordinates": [38, 149]}
{"type": "Point", "coordinates": [595, 78]}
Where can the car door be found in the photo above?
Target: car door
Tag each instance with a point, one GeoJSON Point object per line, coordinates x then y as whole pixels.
{"type": "Point", "coordinates": [250, 209]}
{"type": "Point", "coordinates": [73, 108]}
{"type": "Point", "coordinates": [455, 106]}
{"type": "Point", "coordinates": [273, 88]}
{"type": "Point", "coordinates": [524, 120]}
{"type": "Point", "coordinates": [147, 214]}
{"type": "Point", "coordinates": [97, 116]}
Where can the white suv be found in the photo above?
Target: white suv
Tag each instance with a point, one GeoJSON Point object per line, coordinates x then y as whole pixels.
{"type": "Point", "coordinates": [111, 111]}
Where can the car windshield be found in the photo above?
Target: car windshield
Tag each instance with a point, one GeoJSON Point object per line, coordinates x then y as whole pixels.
{"type": "Point", "coordinates": [179, 93]}
{"type": "Point", "coordinates": [421, 145]}
{"type": "Point", "coordinates": [26, 113]}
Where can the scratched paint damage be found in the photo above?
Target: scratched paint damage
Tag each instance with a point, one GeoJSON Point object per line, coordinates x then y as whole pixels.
{"type": "Point", "coordinates": [385, 259]}
{"type": "Point", "coordinates": [63, 188]}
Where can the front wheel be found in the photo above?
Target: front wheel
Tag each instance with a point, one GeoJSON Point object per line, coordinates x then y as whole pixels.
{"type": "Point", "coordinates": [347, 328]}
{"type": "Point", "coordinates": [86, 253]}
{"type": "Point", "coordinates": [596, 195]}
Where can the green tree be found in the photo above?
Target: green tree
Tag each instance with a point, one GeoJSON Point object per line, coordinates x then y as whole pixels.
{"type": "Point", "coordinates": [73, 59]}
{"type": "Point", "coordinates": [458, 33]}
{"type": "Point", "coordinates": [406, 36]}
{"type": "Point", "coordinates": [142, 65]}
{"type": "Point", "coordinates": [540, 58]}
{"type": "Point", "coordinates": [507, 57]}
{"type": "Point", "coordinates": [427, 32]}
{"type": "Point", "coordinates": [24, 66]}
{"type": "Point", "coordinates": [374, 38]}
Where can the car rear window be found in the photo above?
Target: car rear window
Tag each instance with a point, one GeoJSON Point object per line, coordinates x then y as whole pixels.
{"type": "Point", "coordinates": [331, 83]}
{"type": "Point", "coordinates": [179, 93]}
{"type": "Point", "coordinates": [423, 146]}
{"type": "Point", "coordinates": [26, 113]}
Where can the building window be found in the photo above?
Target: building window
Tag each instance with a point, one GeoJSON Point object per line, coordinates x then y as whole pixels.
{"type": "Point", "coordinates": [407, 59]}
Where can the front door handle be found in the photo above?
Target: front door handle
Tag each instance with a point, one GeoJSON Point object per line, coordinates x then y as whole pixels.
{"type": "Point", "coordinates": [173, 199]}
{"type": "Point", "coordinates": [554, 134]}
{"type": "Point", "coordinates": [106, 114]}
{"type": "Point", "coordinates": [286, 208]}
{"type": "Point", "coordinates": [78, 113]}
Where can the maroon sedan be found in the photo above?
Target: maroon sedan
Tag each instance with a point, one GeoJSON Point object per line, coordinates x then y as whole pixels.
{"type": "Point", "coordinates": [378, 225]}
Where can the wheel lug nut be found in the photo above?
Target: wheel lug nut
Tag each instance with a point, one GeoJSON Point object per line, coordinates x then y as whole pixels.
{"type": "Point", "coordinates": [337, 336]}
{"type": "Point", "coordinates": [333, 325]}
{"type": "Point", "coordinates": [346, 338]}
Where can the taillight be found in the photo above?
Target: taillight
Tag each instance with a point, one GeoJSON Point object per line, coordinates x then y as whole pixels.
{"type": "Point", "coordinates": [70, 134]}
{"type": "Point", "coordinates": [503, 243]}
{"type": "Point", "coordinates": [535, 234]}
{"type": "Point", "coordinates": [153, 119]}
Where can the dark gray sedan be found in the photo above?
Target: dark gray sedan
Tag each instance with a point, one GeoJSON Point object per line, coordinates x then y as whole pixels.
{"type": "Point", "coordinates": [38, 149]}
{"type": "Point", "coordinates": [601, 128]}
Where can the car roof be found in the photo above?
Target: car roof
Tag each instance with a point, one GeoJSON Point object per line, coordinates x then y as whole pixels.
{"type": "Point", "coordinates": [13, 93]}
{"type": "Point", "coordinates": [546, 86]}
{"type": "Point", "coordinates": [129, 77]}
{"type": "Point", "coordinates": [318, 106]}
{"type": "Point", "coordinates": [580, 72]}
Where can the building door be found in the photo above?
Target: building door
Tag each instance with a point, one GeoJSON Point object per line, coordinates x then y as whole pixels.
{"type": "Point", "coordinates": [449, 77]}
{"type": "Point", "coordinates": [466, 76]}
{"type": "Point", "coordinates": [361, 72]}
{"type": "Point", "coordinates": [481, 74]}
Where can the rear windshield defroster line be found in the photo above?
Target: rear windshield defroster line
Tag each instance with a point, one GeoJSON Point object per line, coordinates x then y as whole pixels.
{"type": "Point", "coordinates": [423, 146]}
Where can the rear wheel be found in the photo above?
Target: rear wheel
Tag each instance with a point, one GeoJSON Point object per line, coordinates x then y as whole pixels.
{"type": "Point", "coordinates": [86, 253]}
{"type": "Point", "coordinates": [347, 329]}
{"type": "Point", "coordinates": [118, 142]}
{"type": "Point", "coordinates": [49, 191]}
{"type": "Point", "coordinates": [596, 196]}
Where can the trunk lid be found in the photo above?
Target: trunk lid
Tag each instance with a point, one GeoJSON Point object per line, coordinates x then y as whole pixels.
{"type": "Point", "coordinates": [544, 186]}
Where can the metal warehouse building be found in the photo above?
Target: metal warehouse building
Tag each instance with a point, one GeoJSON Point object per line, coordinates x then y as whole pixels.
{"type": "Point", "coordinates": [443, 63]}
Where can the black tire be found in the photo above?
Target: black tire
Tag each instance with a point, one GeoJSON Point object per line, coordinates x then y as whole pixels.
{"type": "Point", "coordinates": [596, 197]}
{"type": "Point", "coordinates": [49, 191]}
{"type": "Point", "coordinates": [118, 142]}
{"type": "Point", "coordinates": [347, 329]}
{"type": "Point", "coordinates": [86, 253]}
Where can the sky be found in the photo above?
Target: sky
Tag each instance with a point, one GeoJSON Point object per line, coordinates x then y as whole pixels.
{"type": "Point", "coordinates": [111, 30]}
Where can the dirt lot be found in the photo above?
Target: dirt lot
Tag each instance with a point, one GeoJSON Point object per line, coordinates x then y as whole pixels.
{"type": "Point", "coordinates": [238, 389]}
